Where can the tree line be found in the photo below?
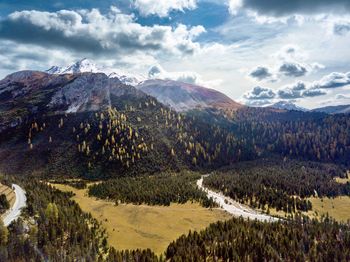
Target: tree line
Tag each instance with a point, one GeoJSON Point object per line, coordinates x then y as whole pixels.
{"type": "Point", "coordinates": [244, 240]}
{"type": "Point", "coordinates": [162, 189]}
{"type": "Point", "coordinates": [283, 184]}
{"type": "Point", "coordinates": [54, 228]}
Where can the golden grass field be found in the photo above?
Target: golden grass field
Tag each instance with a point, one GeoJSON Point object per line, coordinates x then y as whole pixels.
{"type": "Point", "coordinates": [10, 194]}
{"type": "Point", "coordinates": [338, 208]}
{"type": "Point", "coordinates": [342, 180]}
{"type": "Point", "coordinates": [141, 226]}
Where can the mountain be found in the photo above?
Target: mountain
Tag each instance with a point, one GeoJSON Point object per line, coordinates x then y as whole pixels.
{"type": "Point", "coordinates": [81, 66]}
{"type": "Point", "coordinates": [91, 125]}
{"type": "Point", "coordinates": [94, 126]}
{"type": "Point", "coordinates": [179, 96]}
{"type": "Point", "coordinates": [285, 105]}
{"type": "Point", "coordinates": [86, 66]}
{"type": "Point", "coordinates": [27, 93]}
{"type": "Point", "coordinates": [127, 77]}
{"type": "Point", "coordinates": [341, 109]}
{"type": "Point", "coordinates": [183, 97]}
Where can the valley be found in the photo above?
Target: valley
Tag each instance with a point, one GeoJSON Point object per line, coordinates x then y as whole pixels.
{"type": "Point", "coordinates": [174, 131]}
{"type": "Point", "coordinates": [142, 226]}
{"type": "Point", "coordinates": [112, 173]}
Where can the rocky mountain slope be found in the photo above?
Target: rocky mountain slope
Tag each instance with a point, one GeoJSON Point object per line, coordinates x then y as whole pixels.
{"type": "Point", "coordinates": [183, 97]}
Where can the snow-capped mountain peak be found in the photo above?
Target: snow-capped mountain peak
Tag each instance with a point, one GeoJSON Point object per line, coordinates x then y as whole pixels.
{"type": "Point", "coordinates": [286, 105]}
{"type": "Point", "coordinates": [86, 65]}
{"type": "Point", "coordinates": [128, 78]}
{"type": "Point", "coordinates": [81, 66]}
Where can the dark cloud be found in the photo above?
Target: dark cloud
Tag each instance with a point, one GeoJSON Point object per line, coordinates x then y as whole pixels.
{"type": "Point", "coordinates": [260, 93]}
{"type": "Point", "coordinates": [292, 92]}
{"type": "Point", "coordinates": [341, 28]}
{"type": "Point", "coordinates": [260, 73]}
{"type": "Point", "coordinates": [299, 90]}
{"type": "Point", "coordinates": [292, 69]}
{"type": "Point", "coordinates": [313, 93]}
{"type": "Point", "coordinates": [94, 32]}
{"type": "Point", "coordinates": [287, 7]}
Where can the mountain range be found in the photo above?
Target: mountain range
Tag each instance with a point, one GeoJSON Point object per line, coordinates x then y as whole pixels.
{"type": "Point", "coordinates": [67, 121]}
{"type": "Point", "coordinates": [178, 95]}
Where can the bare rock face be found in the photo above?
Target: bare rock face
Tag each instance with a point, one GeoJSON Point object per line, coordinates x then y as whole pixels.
{"type": "Point", "coordinates": [25, 93]}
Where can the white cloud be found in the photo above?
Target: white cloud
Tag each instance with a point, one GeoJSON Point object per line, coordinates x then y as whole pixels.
{"type": "Point", "coordinates": [164, 7]}
{"type": "Point", "coordinates": [158, 72]}
{"type": "Point", "coordinates": [92, 31]}
{"type": "Point", "coordinates": [333, 80]}
{"type": "Point", "coordinates": [234, 6]}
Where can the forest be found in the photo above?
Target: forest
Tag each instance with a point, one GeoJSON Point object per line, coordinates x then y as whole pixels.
{"type": "Point", "coordinates": [54, 228]}
{"type": "Point", "coordinates": [162, 189]}
{"type": "Point", "coordinates": [138, 135]}
{"type": "Point", "coordinates": [4, 203]}
{"type": "Point", "coordinates": [243, 240]}
{"type": "Point", "coordinates": [279, 183]}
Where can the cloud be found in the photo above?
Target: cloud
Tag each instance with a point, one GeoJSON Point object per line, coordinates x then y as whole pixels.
{"type": "Point", "coordinates": [158, 72]}
{"type": "Point", "coordinates": [288, 62]}
{"type": "Point", "coordinates": [341, 96]}
{"type": "Point", "coordinates": [163, 8]}
{"type": "Point", "coordinates": [15, 57]}
{"type": "Point", "coordinates": [90, 31]}
{"type": "Point", "coordinates": [299, 90]}
{"type": "Point", "coordinates": [341, 28]}
{"type": "Point", "coordinates": [313, 93]}
{"type": "Point", "coordinates": [288, 7]}
{"type": "Point", "coordinates": [333, 80]}
{"type": "Point", "coordinates": [260, 73]}
{"type": "Point", "coordinates": [257, 103]}
{"type": "Point", "coordinates": [292, 92]}
{"type": "Point", "coordinates": [292, 69]}
{"type": "Point", "coordinates": [260, 93]}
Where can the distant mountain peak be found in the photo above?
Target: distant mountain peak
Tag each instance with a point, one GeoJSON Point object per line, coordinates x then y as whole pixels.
{"type": "Point", "coordinates": [286, 105]}
{"type": "Point", "coordinates": [82, 66]}
{"type": "Point", "coordinates": [338, 109]}
{"type": "Point", "coordinates": [86, 66]}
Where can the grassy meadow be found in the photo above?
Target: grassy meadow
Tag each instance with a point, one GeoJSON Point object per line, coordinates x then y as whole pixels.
{"type": "Point", "coordinates": [142, 226]}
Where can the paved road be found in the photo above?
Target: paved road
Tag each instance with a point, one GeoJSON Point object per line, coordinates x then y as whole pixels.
{"type": "Point", "coordinates": [233, 207]}
{"type": "Point", "coordinates": [20, 202]}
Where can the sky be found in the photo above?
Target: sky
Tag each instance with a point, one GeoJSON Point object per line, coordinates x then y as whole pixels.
{"type": "Point", "coordinates": [256, 52]}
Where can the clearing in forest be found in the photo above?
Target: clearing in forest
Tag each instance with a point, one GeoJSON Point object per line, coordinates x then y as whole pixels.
{"type": "Point", "coordinates": [142, 226]}
{"type": "Point", "coordinates": [338, 207]}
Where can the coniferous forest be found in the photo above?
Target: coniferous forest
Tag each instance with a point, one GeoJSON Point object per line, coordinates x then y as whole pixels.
{"type": "Point", "coordinates": [279, 183]}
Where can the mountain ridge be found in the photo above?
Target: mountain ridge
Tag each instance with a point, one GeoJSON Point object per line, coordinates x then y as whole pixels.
{"type": "Point", "coordinates": [193, 96]}
{"type": "Point", "coordinates": [183, 96]}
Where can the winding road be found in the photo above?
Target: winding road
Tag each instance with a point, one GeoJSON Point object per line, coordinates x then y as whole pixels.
{"type": "Point", "coordinates": [15, 210]}
{"type": "Point", "coordinates": [233, 207]}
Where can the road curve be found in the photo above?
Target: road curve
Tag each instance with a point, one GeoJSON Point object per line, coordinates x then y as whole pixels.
{"type": "Point", "coordinates": [233, 207]}
{"type": "Point", "coordinates": [15, 210]}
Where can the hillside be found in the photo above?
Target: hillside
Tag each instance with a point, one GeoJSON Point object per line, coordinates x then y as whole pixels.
{"type": "Point", "coordinates": [342, 109]}
{"type": "Point", "coordinates": [90, 125]}
{"type": "Point", "coordinates": [182, 96]}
